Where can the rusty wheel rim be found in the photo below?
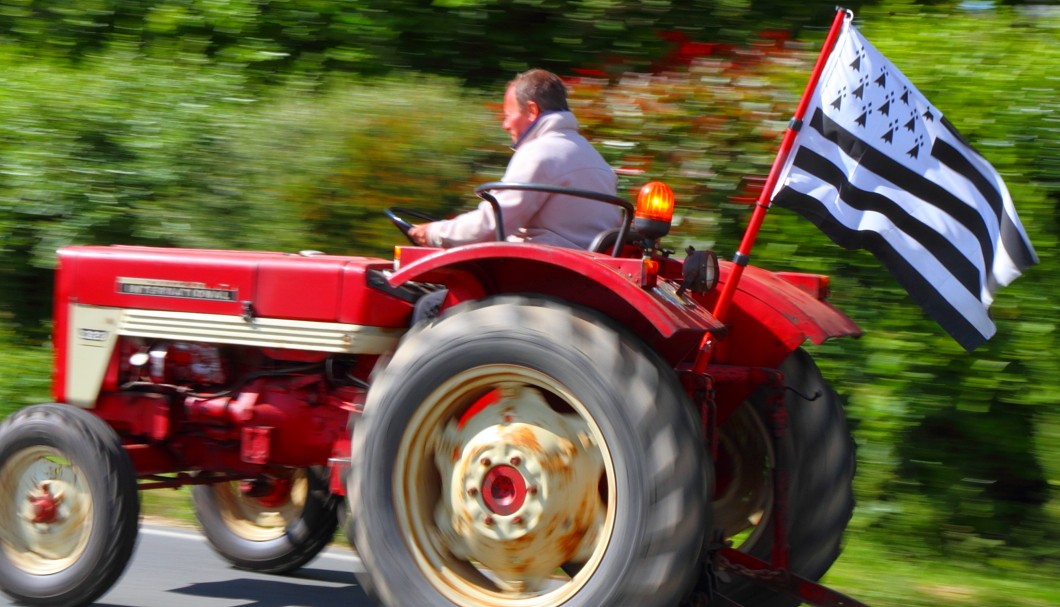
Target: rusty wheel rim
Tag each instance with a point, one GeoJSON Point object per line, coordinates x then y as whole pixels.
{"type": "Point", "coordinates": [46, 516]}
{"type": "Point", "coordinates": [505, 489]}
{"type": "Point", "coordinates": [746, 500]}
{"type": "Point", "coordinates": [262, 519]}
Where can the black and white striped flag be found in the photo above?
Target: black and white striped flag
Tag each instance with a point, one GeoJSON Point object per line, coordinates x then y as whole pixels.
{"type": "Point", "coordinates": [877, 167]}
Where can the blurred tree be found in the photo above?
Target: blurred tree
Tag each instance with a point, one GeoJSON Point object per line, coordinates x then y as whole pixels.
{"type": "Point", "coordinates": [341, 157]}
{"type": "Point", "coordinates": [480, 41]}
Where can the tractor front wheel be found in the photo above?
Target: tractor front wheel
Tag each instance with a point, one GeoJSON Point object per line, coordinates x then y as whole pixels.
{"type": "Point", "coordinates": [273, 525]}
{"type": "Point", "coordinates": [521, 453]}
{"type": "Point", "coordinates": [69, 508]}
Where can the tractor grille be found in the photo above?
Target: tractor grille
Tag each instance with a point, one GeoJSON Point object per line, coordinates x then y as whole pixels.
{"type": "Point", "coordinates": [261, 332]}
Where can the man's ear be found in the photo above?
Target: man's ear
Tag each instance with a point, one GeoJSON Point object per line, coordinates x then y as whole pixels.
{"type": "Point", "coordinates": [533, 109]}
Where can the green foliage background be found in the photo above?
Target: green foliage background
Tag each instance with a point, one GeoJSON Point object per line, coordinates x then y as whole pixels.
{"type": "Point", "coordinates": [285, 126]}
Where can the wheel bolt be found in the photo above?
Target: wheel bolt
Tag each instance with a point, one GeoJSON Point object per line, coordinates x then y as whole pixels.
{"type": "Point", "coordinates": [517, 520]}
{"type": "Point", "coordinates": [472, 491]}
{"type": "Point", "coordinates": [488, 521]}
{"type": "Point", "coordinates": [532, 489]}
{"type": "Point", "coordinates": [516, 460]}
{"type": "Point", "coordinates": [485, 462]}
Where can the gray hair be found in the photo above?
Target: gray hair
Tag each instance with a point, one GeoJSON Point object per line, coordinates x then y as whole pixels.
{"type": "Point", "coordinates": [543, 88]}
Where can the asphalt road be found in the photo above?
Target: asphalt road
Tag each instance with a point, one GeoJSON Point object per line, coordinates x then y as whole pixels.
{"type": "Point", "coordinates": [176, 568]}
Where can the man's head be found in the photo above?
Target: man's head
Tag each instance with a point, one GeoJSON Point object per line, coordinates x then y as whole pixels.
{"type": "Point", "coordinates": [530, 94]}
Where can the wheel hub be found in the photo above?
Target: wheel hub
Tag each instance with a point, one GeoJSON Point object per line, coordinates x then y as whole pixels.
{"type": "Point", "coordinates": [261, 511]}
{"type": "Point", "coordinates": [270, 493]}
{"type": "Point", "coordinates": [44, 504]}
{"type": "Point", "coordinates": [503, 490]}
{"type": "Point", "coordinates": [50, 523]}
{"type": "Point", "coordinates": [523, 492]}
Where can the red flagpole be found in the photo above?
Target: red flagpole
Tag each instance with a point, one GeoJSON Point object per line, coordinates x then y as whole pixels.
{"type": "Point", "coordinates": [740, 260]}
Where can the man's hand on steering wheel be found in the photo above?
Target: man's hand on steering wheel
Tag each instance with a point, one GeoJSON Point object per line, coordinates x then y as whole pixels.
{"type": "Point", "coordinates": [418, 234]}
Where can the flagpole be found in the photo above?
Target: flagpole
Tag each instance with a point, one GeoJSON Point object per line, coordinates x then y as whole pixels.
{"type": "Point", "coordinates": [742, 256]}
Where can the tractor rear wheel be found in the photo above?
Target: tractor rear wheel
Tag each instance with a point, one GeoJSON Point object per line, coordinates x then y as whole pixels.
{"type": "Point", "coordinates": [69, 508]}
{"type": "Point", "coordinates": [269, 526]}
{"type": "Point", "coordinates": [517, 452]}
{"type": "Point", "coordinates": [819, 459]}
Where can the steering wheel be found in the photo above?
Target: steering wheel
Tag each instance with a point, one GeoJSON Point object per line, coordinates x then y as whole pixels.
{"type": "Point", "coordinates": [394, 214]}
{"type": "Point", "coordinates": [483, 192]}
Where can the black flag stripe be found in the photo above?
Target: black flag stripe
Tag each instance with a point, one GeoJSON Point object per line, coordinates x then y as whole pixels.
{"type": "Point", "coordinates": [1011, 238]}
{"type": "Point", "coordinates": [914, 183]}
{"type": "Point", "coordinates": [949, 156]}
{"type": "Point", "coordinates": [923, 291]}
{"type": "Point", "coordinates": [938, 245]}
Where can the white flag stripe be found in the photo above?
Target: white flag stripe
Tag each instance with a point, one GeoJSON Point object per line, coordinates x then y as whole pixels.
{"type": "Point", "coordinates": [1007, 272]}
{"type": "Point", "coordinates": [1003, 269]}
{"type": "Point", "coordinates": [971, 194]}
{"type": "Point", "coordinates": [827, 164]}
{"type": "Point", "coordinates": [922, 290]}
{"type": "Point", "coordinates": [1004, 261]}
{"type": "Point", "coordinates": [933, 272]}
{"type": "Point", "coordinates": [956, 233]}
{"type": "Point", "coordinates": [876, 166]}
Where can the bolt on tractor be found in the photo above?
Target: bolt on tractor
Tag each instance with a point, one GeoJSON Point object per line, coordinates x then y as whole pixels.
{"type": "Point", "coordinates": [502, 424]}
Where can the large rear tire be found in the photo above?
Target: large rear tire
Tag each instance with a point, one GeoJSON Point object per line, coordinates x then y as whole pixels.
{"type": "Point", "coordinates": [520, 453]}
{"type": "Point", "coordinates": [276, 526]}
{"type": "Point", "coordinates": [69, 507]}
{"type": "Point", "coordinates": [820, 461]}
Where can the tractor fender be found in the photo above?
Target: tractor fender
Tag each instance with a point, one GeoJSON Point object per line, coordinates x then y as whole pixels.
{"type": "Point", "coordinates": [773, 313]}
{"type": "Point", "coordinates": [610, 285]}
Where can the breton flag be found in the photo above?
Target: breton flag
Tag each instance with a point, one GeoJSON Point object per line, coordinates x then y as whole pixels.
{"type": "Point", "coordinates": [875, 166]}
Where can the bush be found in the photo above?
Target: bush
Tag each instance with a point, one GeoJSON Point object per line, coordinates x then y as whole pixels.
{"type": "Point", "coordinates": [25, 368]}
{"type": "Point", "coordinates": [128, 150]}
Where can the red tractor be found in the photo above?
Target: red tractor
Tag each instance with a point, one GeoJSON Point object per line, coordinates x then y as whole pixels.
{"type": "Point", "coordinates": [497, 424]}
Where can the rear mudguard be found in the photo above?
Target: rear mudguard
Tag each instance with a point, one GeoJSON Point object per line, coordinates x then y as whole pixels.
{"type": "Point", "coordinates": [770, 316]}
{"type": "Point", "coordinates": [607, 284]}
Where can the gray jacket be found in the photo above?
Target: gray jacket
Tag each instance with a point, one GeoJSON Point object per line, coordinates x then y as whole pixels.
{"type": "Point", "coordinates": [550, 152]}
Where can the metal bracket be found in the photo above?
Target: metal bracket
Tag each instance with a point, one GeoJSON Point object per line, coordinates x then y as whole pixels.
{"type": "Point", "coordinates": [700, 389]}
{"type": "Point", "coordinates": [780, 580]}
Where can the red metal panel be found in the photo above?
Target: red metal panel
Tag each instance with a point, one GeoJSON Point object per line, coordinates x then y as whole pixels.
{"type": "Point", "coordinates": [185, 280]}
{"type": "Point", "coordinates": [299, 288]}
{"type": "Point", "coordinates": [364, 304]}
{"type": "Point", "coordinates": [256, 444]}
{"type": "Point", "coordinates": [322, 288]}
{"type": "Point", "coordinates": [329, 289]}
{"type": "Point", "coordinates": [796, 315]}
{"type": "Point", "coordinates": [772, 314]}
